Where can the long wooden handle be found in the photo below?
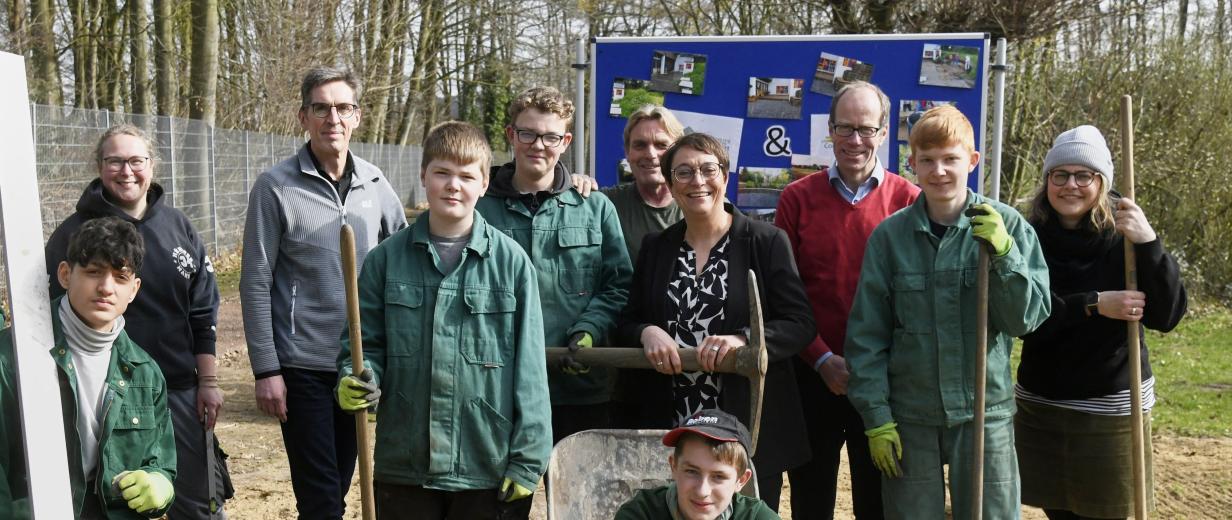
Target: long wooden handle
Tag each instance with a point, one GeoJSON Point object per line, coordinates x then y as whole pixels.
{"type": "Point", "coordinates": [981, 380]}
{"type": "Point", "coordinates": [346, 245]}
{"type": "Point", "coordinates": [1134, 340]}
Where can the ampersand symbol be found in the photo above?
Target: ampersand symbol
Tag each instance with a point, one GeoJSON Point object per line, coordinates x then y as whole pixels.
{"type": "Point", "coordinates": [777, 143]}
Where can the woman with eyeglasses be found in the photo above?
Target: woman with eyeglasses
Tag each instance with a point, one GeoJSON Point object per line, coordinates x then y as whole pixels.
{"type": "Point", "coordinates": [1072, 426]}
{"type": "Point", "coordinates": [174, 315]}
{"type": "Point", "coordinates": [690, 289]}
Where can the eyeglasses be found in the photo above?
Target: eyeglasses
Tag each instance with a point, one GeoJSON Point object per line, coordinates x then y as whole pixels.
{"type": "Point", "coordinates": [529, 137]}
{"type": "Point", "coordinates": [1082, 178]}
{"type": "Point", "coordinates": [708, 171]}
{"type": "Point", "coordinates": [847, 130]}
{"type": "Point", "coordinates": [321, 110]}
{"type": "Point", "coordinates": [135, 163]}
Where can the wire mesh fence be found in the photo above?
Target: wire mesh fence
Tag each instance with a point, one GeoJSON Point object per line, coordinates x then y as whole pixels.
{"type": "Point", "coordinates": [206, 172]}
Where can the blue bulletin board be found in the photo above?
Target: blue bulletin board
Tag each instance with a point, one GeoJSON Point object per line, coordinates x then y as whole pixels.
{"type": "Point", "coordinates": [771, 95]}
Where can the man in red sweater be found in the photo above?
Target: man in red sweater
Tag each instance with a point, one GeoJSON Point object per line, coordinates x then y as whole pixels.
{"type": "Point", "coordinates": [829, 216]}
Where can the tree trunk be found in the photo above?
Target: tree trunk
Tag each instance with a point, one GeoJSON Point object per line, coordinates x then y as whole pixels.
{"type": "Point", "coordinates": [138, 31]}
{"type": "Point", "coordinates": [164, 59]}
{"type": "Point", "coordinates": [204, 70]}
{"type": "Point", "coordinates": [45, 84]}
{"type": "Point", "coordinates": [1182, 19]}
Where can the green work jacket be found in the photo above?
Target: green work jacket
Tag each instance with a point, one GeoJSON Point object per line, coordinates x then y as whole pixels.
{"type": "Point", "coordinates": [136, 431]}
{"type": "Point", "coordinates": [459, 359]}
{"type": "Point", "coordinates": [911, 333]}
{"type": "Point", "coordinates": [584, 274]}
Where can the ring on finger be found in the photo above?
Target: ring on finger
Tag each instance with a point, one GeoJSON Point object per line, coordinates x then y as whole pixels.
{"type": "Point", "coordinates": [714, 348]}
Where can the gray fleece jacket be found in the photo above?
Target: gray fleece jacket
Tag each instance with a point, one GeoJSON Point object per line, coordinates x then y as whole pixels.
{"type": "Point", "coordinates": [291, 284]}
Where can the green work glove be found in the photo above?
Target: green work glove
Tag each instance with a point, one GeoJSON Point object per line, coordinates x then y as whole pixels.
{"type": "Point", "coordinates": [511, 491]}
{"type": "Point", "coordinates": [144, 491]}
{"type": "Point", "coordinates": [578, 342]}
{"type": "Point", "coordinates": [988, 227]}
{"type": "Point", "coordinates": [886, 448]}
{"type": "Point", "coordinates": [358, 393]}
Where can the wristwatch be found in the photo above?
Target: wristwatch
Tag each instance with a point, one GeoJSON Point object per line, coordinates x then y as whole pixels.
{"type": "Point", "coordinates": [1092, 303]}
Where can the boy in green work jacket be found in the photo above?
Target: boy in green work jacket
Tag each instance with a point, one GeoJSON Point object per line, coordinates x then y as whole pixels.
{"type": "Point", "coordinates": [576, 244]}
{"type": "Point", "coordinates": [453, 340]}
{"type": "Point", "coordinates": [911, 333]}
{"type": "Point", "coordinates": [121, 445]}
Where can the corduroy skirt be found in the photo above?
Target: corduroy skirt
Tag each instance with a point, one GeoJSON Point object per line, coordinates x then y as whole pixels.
{"type": "Point", "coordinates": [1077, 461]}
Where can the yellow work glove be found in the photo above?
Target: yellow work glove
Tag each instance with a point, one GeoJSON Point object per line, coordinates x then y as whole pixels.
{"type": "Point", "coordinates": [511, 491]}
{"type": "Point", "coordinates": [144, 491]}
{"type": "Point", "coordinates": [886, 448]}
{"type": "Point", "coordinates": [988, 227]}
{"type": "Point", "coordinates": [358, 393]}
{"type": "Point", "coordinates": [578, 342]}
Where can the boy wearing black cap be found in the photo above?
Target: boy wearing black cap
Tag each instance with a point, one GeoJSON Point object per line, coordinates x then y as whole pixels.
{"type": "Point", "coordinates": [709, 466]}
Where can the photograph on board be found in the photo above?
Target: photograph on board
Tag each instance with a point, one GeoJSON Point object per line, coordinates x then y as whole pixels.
{"type": "Point", "coordinates": [834, 71]}
{"type": "Point", "coordinates": [904, 167]}
{"type": "Point", "coordinates": [628, 94]}
{"type": "Point", "coordinates": [679, 72]}
{"type": "Point", "coordinates": [910, 111]}
{"type": "Point", "coordinates": [775, 98]}
{"type": "Point", "coordinates": [949, 65]}
{"type": "Point", "coordinates": [760, 187]}
{"type": "Point", "coordinates": [624, 172]}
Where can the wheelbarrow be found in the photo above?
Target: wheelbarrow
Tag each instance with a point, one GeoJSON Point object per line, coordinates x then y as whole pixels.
{"type": "Point", "coordinates": [598, 470]}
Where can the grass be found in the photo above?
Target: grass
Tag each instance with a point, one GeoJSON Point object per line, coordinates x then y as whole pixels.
{"type": "Point", "coordinates": [1193, 374]}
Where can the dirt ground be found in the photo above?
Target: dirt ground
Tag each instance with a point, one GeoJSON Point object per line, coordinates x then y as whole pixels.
{"type": "Point", "coordinates": [1193, 475]}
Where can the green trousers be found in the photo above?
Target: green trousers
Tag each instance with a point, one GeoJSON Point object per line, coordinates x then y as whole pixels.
{"type": "Point", "coordinates": [920, 492]}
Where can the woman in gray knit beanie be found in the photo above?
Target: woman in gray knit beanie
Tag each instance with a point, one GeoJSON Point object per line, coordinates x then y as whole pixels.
{"type": "Point", "coordinates": [1072, 428]}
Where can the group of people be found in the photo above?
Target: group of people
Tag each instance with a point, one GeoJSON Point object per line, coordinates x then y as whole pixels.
{"type": "Point", "coordinates": [868, 293]}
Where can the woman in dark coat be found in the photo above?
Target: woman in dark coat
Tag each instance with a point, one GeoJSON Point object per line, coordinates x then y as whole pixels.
{"type": "Point", "coordinates": [1072, 427]}
{"type": "Point", "coordinates": [690, 288]}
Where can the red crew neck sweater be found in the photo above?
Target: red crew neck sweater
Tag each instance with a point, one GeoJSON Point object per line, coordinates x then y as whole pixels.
{"type": "Point", "coordinates": [828, 236]}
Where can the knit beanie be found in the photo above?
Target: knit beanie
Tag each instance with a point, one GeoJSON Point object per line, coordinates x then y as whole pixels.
{"type": "Point", "coordinates": [1083, 145]}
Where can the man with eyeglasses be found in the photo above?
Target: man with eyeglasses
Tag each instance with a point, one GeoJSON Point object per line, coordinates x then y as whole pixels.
{"type": "Point", "coordinates": [575, 243]}
{"type": "Point", "coordinates": [828, 216]}
{"type": "Point", "coordinates": [291, 285]}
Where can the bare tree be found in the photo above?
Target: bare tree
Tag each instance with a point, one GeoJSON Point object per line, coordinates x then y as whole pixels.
{"type": "Point", "coordinates": [138, 35]}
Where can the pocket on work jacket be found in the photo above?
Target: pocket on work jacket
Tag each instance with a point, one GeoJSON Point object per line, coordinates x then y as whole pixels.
{"type": "Point", "coordinates": [912, 306]}
{"type": "Point", "coordinates": [489, 325]}
{"type": "Point", "coordinates": [485, 440]}
{"type": "Point", "coordinates": [403, 302]}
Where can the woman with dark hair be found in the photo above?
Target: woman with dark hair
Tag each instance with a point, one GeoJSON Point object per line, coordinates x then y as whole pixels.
{"type": "Point", "coordinates": [1072, 427]}
{"type": "Point", "coordinates": [690, 288]}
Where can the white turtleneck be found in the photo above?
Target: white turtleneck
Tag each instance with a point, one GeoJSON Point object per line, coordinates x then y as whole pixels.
{"type": "Point", "coordinates": [90, 356]}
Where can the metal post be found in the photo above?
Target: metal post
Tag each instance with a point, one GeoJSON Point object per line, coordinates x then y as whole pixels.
{"type": "Point", "coordinates": [247, 166]}
{"type": "Point", "coordinates": [579, 114]}
{"type": "Point", "coordinates": [212, 171]}
{"type": "Point", "coordinates": [999, 70]}
{"type": "Point", "coordinates": [106, 119]}
{"type": "Point", "coordinates": [171, 158]}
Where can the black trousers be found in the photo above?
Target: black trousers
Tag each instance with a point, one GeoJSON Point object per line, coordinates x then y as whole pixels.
{"type": "Point", "coordinates": [398, 502]}
{"type": "Point", "coordinates": [568, 419]}
{"type": "Point", "coordinates": [832, 421]}
{"type": "Point", "coordinates": [320, 443]}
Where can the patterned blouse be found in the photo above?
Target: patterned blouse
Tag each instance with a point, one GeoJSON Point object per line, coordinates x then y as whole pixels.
{"type": "Point", "coordinates": [696, 304]}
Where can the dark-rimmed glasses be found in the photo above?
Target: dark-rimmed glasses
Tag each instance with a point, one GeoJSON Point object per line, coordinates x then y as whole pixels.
{"type": "Point", "coordinates": [321, 110]}
{"type": "Point", "coordinates": [846, 130]}
{"type": "Point", "coordinates": [1082, 178]}
{"type": "Point", "coordinates": [708, 171]}
{"type": "Point", "coordinates": [135, 163]}
{"type": "Point", "coordinates": [528, 137]}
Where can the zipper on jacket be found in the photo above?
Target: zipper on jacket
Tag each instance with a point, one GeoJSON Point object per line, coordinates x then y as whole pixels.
{"type": "Point", "coordinates": [108, 398]}
{"type": "Point", "coordinates": [294, 286]}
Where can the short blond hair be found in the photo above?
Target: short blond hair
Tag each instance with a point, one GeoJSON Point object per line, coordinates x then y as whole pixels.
{"type": "Point", "coordinates": [456, 141]}
{"type": "Point", "coordinates": [151, 147]}
{"type": "Point", "coordinates": [941, 127]}
{"type": "Point", "coordinates": [649, 112]}
{"type": "Point", "coordinates": [544, 99]}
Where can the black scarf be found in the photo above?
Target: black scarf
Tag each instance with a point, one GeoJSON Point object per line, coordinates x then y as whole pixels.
{"type": "Point", "coordinates": [1073, 255]}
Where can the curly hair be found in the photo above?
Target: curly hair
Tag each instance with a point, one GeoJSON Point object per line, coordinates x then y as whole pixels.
{"type": "Point", "coordinates": [544, 99]}
{"type": "Point", "coordinates": [109, 241]}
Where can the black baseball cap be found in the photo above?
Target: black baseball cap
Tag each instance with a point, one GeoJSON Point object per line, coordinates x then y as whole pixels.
{"type": "Point", "coordinates": [712, 424]}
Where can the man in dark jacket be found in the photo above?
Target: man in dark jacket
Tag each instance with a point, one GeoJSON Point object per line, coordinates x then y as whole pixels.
{"type": "Point", "coordinates": [174, 317]}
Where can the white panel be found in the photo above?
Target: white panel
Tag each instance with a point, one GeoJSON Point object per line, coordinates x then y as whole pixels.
{"type": "Point", "coordinates": [46, 456]}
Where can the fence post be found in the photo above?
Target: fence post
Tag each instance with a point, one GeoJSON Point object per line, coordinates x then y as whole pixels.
{"type": "Point", "coordinates": [171, 160]}
{"type": "Point", "coordinates": [247, 166]}
{"type": "Point", "coordinates": [213, 173]}
{"type": "Point", "coordinates": [106, 119]}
